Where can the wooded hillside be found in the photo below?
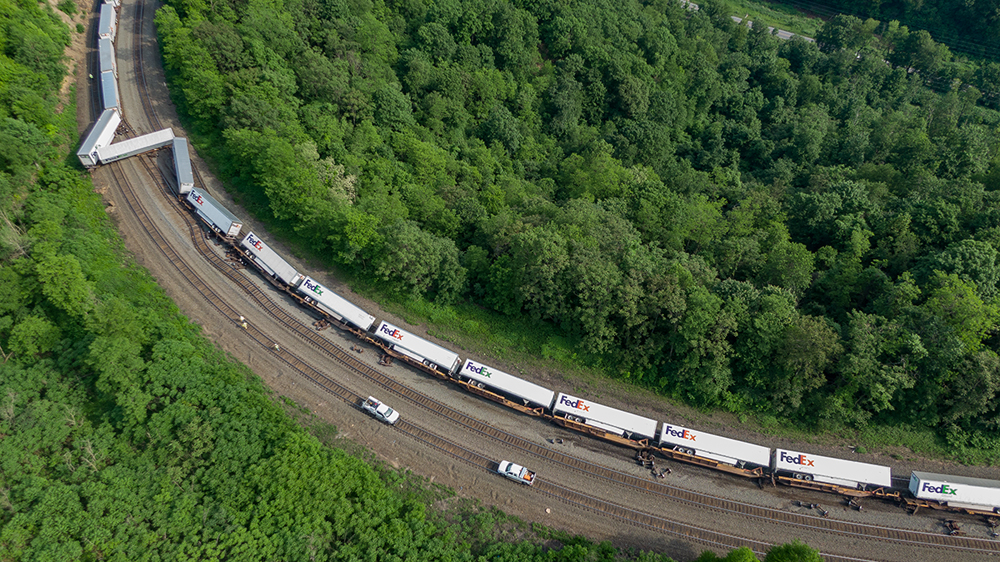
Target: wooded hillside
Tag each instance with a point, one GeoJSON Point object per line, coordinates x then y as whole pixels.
{"type": "Point", "coordinates": [799, 229]}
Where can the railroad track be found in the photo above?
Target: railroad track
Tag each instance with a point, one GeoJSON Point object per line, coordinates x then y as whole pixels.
{"type": "Point", "coordinates": [707, 537]}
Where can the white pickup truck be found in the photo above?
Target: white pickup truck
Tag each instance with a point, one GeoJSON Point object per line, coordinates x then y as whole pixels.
{"type": "Point", "coordinates": [380, 411]}
{"type": "Point", "coordinates": [516, 472]}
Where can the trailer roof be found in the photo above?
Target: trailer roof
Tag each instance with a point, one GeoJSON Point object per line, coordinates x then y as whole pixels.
{"type": "Point", "coordinates": [952, 479]}
{"type": "Point", "coordinates": [136, 145]}
{"type": "Point", "coordinates": [107, 52]}
{"type": "Point", "coordinates": [592, 411]}
{"type": "Point", "coordinates": [715, 444]}
{"type": "Point", "coordinates": [817, 465]}
{"type": "Point", "coordinates": [508, 383]}
{"type": "Point", "coordinates": [109, 91]}
{"type": "Point", "coordinates": [314, 290]}
{"type": "Point", "coordinates": [430, 351]}
{"type": "Point", "coordinates": [182, 161]}
{"type": "Point", "coordinates": [107, 19]}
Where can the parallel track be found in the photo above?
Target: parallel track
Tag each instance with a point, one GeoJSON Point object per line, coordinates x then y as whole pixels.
{"type": "Point", "coordinates": [473, 458]}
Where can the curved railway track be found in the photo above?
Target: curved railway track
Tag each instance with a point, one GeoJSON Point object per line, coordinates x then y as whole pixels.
{"type": "Point", "coordinates": [700, 535]}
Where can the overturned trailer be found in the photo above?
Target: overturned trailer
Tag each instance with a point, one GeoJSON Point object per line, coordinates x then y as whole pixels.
{"type": "Point", "coordinates": [508, 390]}
{"type": "Point", "coordinates": [100, 135]}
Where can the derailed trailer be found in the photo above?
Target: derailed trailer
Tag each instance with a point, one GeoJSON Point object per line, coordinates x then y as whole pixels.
{"type": "Point", "coordinates": [135, 146]}
{"type": "Point", "coordinates": [962, 494]}
{"type": "Point", "coordinates": [815, 472]}
{"type": "Point", "coordinates": [605, 422]}
{"type": "Point", "coordinates": [500, 387]}
{"type": "Point", "coordinates": [110, 97]}
{"type": "Point", "coordinates": [332, 304]}
{"type": "Point", "coordinates": [182, 166]}
{"type": "Point", "coordinates": [102, 133]}
{"type": "Point", "coordinates": [713, 451]}
{"type": "Point", "coordinates": [268, 261]}
{"type": "Point", "coordinates": [107, 24]}
{"type": "Point", "coordinates": [416, 351]}
{"type": "Point", "coordinates": [214, 214]}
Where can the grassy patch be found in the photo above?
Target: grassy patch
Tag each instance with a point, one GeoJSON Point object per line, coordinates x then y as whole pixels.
{"type": "Point", "coordinates": [777, 15]}
{"type": "Point", "coordinates": [67, 7]}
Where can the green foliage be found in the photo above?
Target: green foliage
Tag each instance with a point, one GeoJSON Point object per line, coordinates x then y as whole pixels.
{"type": "Point", "coordinates": [762, 225]}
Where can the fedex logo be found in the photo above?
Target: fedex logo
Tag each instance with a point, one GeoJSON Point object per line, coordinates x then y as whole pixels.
{"type": "Point", "coordinates": [578, 404]}
{"type": "Point", "coordinates": [314, 287]}
{"type": "Point", "coordinates": [197, 198]}
{"type": "Point", "coordinates": [393, 333]}
{"type": "Point", "coordinates": [480, 370]}
{"type": "Point", "coordinates": [800, 460]}
{"type": "Point", "coordinates": [682, 433]}
{"type": "Point", "coordinates": [255, 242]}
{"type": "Point", "coordinates": [942, 489]}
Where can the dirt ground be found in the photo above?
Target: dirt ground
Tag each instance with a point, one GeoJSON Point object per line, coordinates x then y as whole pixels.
{"type": "Point", "coordinates": [389, 445]}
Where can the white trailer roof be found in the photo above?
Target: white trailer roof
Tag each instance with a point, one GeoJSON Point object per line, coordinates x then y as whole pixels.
{"type": "Point", "coordinates": [101, 134]}
{"type": "Point", "coordinates": [703, 442]}
{"type": "Point", "coordinates": [214, 212]}
{"type": "Point", "coordinates": [271, 260]}
{"type": "Point", "coordinates": [508, 383]}
{"type": "Point", "coordinates": [955, 489]}
{"type": "Point", "coordinates": [418, 346]}
{"type": "Point", "coordinates": [605, 415]}
{"type": "Point", "coordinates": [134, 146]}
{"type": "Point", "coordinates": [107, 24]}
{"type": "Point", "coordinates": [107, 51]}
{"type": "Point", "coordinates": [336, 304]}
{"type": "Point", "coordinates": [836, 471]}
{"type": "Point", "coordinates": [182, 165]}
{"type": "Point", "coordinates": [109, 91]}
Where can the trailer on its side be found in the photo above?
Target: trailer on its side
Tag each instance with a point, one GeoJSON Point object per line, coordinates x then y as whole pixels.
{"type": "Point", "coordinates": [102, 133]}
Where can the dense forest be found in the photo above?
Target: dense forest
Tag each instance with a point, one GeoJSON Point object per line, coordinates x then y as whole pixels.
{"type": "Point", "coordinates": [970, 27]}
{"type": "Point", "coordinates": [125, 435]}
{"type": "Point", "coordinates": [802, 229]}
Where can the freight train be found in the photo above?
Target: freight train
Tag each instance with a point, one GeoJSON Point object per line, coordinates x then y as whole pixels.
{"type": "Point", "coordinates": [648, 436]}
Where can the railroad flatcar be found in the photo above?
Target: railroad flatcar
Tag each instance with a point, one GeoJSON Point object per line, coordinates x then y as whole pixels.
{"type": "Point", "coordinates": [441, 361]}
{"type": "Point", "coordinates": [102, 133]}
{"type": "Point", "coordinates": [335, 305]}
{"type": "Point", "coordinates": [703, 448]}
{"type": "Point", "coordinates": [961, 493]}
{"type": "Point", "coordinates": [213, 213]}
{"type": "Point", "coordinates": [182, 166]}
{"type": "Point", "coordinates": [135, 146]}
{"type": "Point", "coordinates": [507, 389]}
{"type": "Point", "coordinates": [107, 24]}
{"type": "Point", "coordinates": [603, 421]}
{"type": "Point", "coordinates": [269, 260]}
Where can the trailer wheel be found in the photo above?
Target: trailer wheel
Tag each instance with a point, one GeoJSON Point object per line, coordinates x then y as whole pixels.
{"type": "Point", "coordinates": [808, 477]}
